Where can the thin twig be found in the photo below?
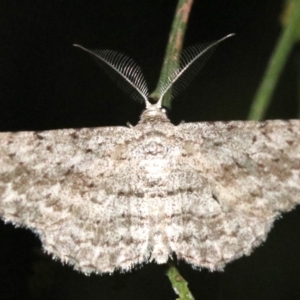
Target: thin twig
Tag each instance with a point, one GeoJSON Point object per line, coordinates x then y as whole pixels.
{"type": "Point", "coordinates": [298, 83]}
{"type": "Point", "coordinates": [179, 284]}
{"type": "Point", "coordinates": [170, 64]}
{"type": "Point", "coordinates": [282, 50]}
{"type": "Point", "coordinates": [174, 47]}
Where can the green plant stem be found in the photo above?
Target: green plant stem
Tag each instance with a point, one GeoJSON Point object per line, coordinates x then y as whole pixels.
{"type": "Point", "coordinates": [173, 50]}
{"type": "Point", "coordinates": [298, 82]}
{"type": "Point", "coordinates": [179, 284]}
{"type": "Point", "coordinates": [170, 64]}
{"type": "Point", "coordinates": [284, 45]}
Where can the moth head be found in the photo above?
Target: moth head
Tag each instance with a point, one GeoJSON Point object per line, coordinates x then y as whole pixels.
{"type": "Point", "coordinates": [153, 112]}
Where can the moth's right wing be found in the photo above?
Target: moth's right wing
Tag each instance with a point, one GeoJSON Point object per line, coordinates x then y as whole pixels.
{"type": "Point", "coordinates": [252, 175]}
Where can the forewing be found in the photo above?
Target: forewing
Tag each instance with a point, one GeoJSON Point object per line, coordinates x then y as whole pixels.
{"type": "Point", "coordinates": [55, 182]}
{"type": "Point", "coordinates": [251, 171]}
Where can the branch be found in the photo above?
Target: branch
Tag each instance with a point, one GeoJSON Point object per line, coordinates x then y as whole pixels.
{"type": "Point", "coordinates": [174, 47]}
{"type": "Point", "coordinates": [287, 39]}
{"type": "Point", "coordinates": [179, 284]}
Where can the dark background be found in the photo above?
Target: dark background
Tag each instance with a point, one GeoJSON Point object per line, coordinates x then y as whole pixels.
{"type": "Point", "coordinates": [45, 83]}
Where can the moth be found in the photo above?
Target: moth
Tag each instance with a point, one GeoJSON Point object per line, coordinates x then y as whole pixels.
{"type": "Point", "coordinates": [106, 199]}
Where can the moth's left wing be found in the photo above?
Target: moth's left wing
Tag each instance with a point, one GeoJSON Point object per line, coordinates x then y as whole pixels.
{"type": "Point", "coordinates": [57, 183]}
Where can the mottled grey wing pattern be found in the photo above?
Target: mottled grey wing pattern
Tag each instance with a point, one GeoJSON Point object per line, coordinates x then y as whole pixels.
{"type": "Point", "coordinates": [251, 173]}
{"type": "Point", "coordinates": [110, 198]}
{"type": "Point", "coordinates": [54, 183]}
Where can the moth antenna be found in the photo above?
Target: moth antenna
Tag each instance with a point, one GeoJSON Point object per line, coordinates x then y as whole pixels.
{"type": "Point", "coordinates": [123, 70]}
{"type": "Point", "coordinates": [192, 60]}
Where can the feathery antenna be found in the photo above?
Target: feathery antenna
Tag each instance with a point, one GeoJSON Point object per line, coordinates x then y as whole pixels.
{"type": "Point", "coordinates": [123, 70]}
{"type": "Point", "coordinates": [191, 61]}
{"type": "Point", "coordinates": [130, 78]}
